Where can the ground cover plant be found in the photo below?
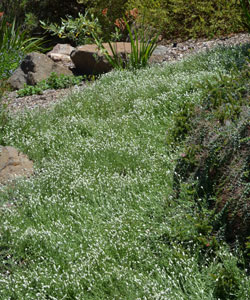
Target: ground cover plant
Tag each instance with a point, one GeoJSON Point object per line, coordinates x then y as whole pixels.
{"type": "Point", "coordinates": [100, 218]}
{"type": "Point", "coordinates": [54, 81]}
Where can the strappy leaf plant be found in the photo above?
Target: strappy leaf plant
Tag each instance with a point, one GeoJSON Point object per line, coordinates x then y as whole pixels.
{"type": "Point", "coordinates": [14, 44]}
{"type": "Point", "coordinates": [142, 45]}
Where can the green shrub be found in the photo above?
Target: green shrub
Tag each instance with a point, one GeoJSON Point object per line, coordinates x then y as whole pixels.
{"type": "Point", "coordinates": [173, 18]}
{"type": "Point", "coordinates": [192, 19]}
{"type": "Point", "coordinates": [77, 30]}
{"type": "Point", "coordinates": [246, 8]}
{"type": "Point", "coordinates": [53, 82]}
{"type": "Point", "coordinates": [215, 160]}
{"type": "Point", "coordinates": [29, 12]}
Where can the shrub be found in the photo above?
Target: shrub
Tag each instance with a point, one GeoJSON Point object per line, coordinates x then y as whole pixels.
{"type": "Point", "coordinates": [215, 160]}
{"type": "Point", "coordinates": [246, 8]}
{"type": "Point", "coordinates": [192, 19]}
{"type": "Point", "coordinates": [53, 82]}
{"type": "Point", "coordinates": [77, 30]}
{"type": "Point", "coordinates": [28, 13]}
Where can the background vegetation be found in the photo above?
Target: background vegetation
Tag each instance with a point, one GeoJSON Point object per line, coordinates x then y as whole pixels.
{"type": "Point", "coordinates": [174, 19]}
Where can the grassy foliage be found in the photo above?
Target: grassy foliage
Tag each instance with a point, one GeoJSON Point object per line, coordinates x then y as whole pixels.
{"type": "Point", "coordinates": [14, 43]}
{"type": "Point", "coordinates": [142, 48]}
{"type": "Point", "coordinates": [98, 219]}
{"type": "Point", "coordinates": [246, 9]}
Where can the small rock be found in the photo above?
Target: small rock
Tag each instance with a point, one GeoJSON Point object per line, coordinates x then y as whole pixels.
{"type": "Point", "coordinates": [61, 54]}
{"type": "Point", "coordinates": [13, 163]}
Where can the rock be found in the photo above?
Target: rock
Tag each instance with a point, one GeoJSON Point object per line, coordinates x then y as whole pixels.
{"type": "Point", "coordinates": [34, 68]}
{"type": "Point", "coordinates": [18, 79]}
{"type": "Point", "coordinates": [13, 164]}
{"type": "Point", "coordinates": [56, 57]}
{"type": "Point", "coordinates": [89, 60]}
{"type": "Point", "coordinates": [158, 54]}
{"type": "Point", "coordinates": [61, 53]}
{"type": "Point", "coordinates": [65, 49]}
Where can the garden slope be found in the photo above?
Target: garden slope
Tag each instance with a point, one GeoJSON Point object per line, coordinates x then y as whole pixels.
{"type": "Point", "coordinates": [99, 220]}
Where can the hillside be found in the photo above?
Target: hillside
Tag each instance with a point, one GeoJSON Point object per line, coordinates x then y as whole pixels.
{"type": "Point", "coordinates": [124, 203]}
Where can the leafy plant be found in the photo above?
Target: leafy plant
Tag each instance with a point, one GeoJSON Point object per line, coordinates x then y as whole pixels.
{"type": "Point", "coordinates": [29, 12]}
{"type": "Point", "coordinates": [13, 45]}
{"type": "Point", "coordinates": [227, 282]}
{"type": "Point", "coordinates": [78, 30]}
{"type": "Point", "coordinates": [192, 19]}
{"type": "Point", "coordinates": [54, 81]}
{"type": "Point", "coordinates": [246, 8]}
{"type": "Point", "coordinates": [142, 45]}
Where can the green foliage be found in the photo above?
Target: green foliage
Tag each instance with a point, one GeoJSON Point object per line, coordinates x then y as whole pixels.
{"type": "Point", "coordinates": [214, 155]}
{"type": "Point", "coordinates": [192, 19]}
{"type": "Point", "coordinates": [77, 30]}
{"type": "Point", "coordinates": [4, 116]}
{"type": "Point", "coordinates": [142, 47]}
{"type": "Point", "coordinates": [174, 19]}
{"type": "Point", "coordinates": [181, 123]}
{"type": "Point", "coordinates": [13, 45]}
{"type": "Point", "coordinates": [227, 99]}
{"type": "Point", "coordinates": [115, 9]}
{"type": "Point", "coordinates": [227, 281]}
{"type": "Point", "coordinates": [248, 246]}
{"type": "Point", "coordinates": [54, 81]}
{"type": "Point", "coordinates": [246, 8]}
{"type": "Point", "coordinates": [29, 12]}
{"type": "Point", "coordinates": [98, 219]}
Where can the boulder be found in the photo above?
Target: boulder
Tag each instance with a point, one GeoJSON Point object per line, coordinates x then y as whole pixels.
{"type": "Point", "coordinates": [88, 59]}
{"type": "Point", "coordinates": [34, 68]}
{"type": "Point", "coordinates": [61, 53]}
{"type": "Point", "coordinates": [13, 164]}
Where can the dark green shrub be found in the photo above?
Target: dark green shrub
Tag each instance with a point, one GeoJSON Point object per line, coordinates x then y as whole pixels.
{"type": "Point", "coordinates": [246, 8]}
{"type": "Point", "coordinates": [215, 160]}
{"type": "Point", "coordinates": [227, 282]}
{"type": "Point", "coordinates": [29, 12]}
{"type": "Point", "coordinates": [173, 18]}
{"type": "Point", "coordinates": [192, 19]}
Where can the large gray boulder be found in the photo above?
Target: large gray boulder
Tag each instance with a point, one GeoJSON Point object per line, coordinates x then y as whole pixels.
{"type": "Point", "coordinates": [13, 164]}
{"type": "Point", "coordinates": [88, 59]}
{"type": "Point", "coordinates": [34, 68]}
